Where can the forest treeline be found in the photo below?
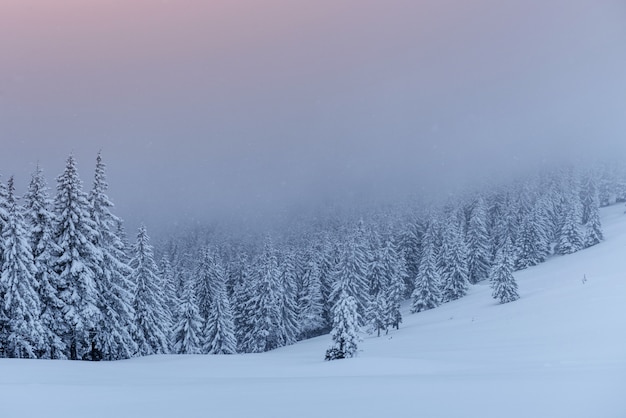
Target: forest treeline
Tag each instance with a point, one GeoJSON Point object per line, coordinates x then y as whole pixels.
{"type": "Point", "coordinates": [73, 287]}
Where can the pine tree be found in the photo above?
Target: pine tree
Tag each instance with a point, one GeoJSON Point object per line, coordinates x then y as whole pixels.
{"type": "Point", "coordinates": [310, 301]}
{"type": "Point", "coordinates": [220, 326]}
{"type": "Point", "coordinates": [426, 294]}
{"type": "Point", "coordinates": [39, 222]}
{"type": "Point", "coordinates": [288, 305]}
{"type": "Point", "coordinates": [150, 316]}
{"type": "Point", "coordinates": [532, 242]}
{"type": "Point", "coordinates": [570, 237]}
{"type": "Point", "coordinates": [187, 332]}
{"type": "Point", "coordinates": [394, 292]}
{"type": "Point", "coordinates": [501, 278]}
{"type": "Point", "coordinates": [24, 336]}
{"type": "Point", "coordinates": [115, 331]}
{"type": "Point", "coordinates": [345, 328]}
{"type": "Point", "coordinates": [351, 275]}
{"type": "Point", "coordinates": [454, 256]}
{"type": "Point", "coordinates": [265, 332]}
{"type": "Point", "coordinates": [592, 228]}
{"type": "Point", "coordinates": [479, 243]}
{"type": "Point", "coordinates": [77, 262]}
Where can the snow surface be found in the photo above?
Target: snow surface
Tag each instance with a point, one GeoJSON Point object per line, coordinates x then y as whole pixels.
{"type": "Point", "coordinates": [559, 351]}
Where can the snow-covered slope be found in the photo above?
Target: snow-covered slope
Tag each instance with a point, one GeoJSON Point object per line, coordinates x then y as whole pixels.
{"type": "Point", "coordinates": [559, 351]}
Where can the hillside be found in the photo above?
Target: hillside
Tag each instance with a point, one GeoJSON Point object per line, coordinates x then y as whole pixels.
{"type": "Point", "coordinates": [559, 351]}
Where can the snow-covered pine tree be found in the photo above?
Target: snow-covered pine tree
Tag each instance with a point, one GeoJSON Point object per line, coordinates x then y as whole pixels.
{"type": "Point", "coordinates": [592, 227]}
{"type": "Point", "coordinates": [310, 301]}
{"type": "Point", "coordinates": [39, 222]}
{"type": "Point", "coordinates": [24, 335]}
{"type": "Point", "coordinates": [479, 243]}
{"type": "Point", "coordinates": [219, 328]}
{"type": "Point", "coordinates": [345, 328]}
{"type": "Point", "coordinates": [150, 316]}
{"type": "Point", "coordinates": [351, 276]}
{"type": "Point", "coordinates": [116, 328]}
{"type": "Point", "coordinates": [378, 276]}
{"type": "Point", "coordinates": [427, 294]}
{"type": "Point", "coordinates": [288, 305]}
{"type": "Point", "coordinates": [570, 238]}
{"type": "Point", "coordinates": [265, 330]}
{"type": "Point", "coordinates": [532, 243]}
{"type": "Point", "coordinates": [166, 275]}
{"type": "Point", "coordinates": [77, 262]}
{"type": "Point", "coordinates": [454, 256]}
{"type": "Point", "coordinates": [501, 278]}
{"type": "Point", "coordinates": [395, 264]}
{"type": "Point", "coordinates": [187, 331]}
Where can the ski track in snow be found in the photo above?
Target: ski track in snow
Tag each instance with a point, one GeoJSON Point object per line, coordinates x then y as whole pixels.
{"type": "Point", "coordinates": [559, 351]}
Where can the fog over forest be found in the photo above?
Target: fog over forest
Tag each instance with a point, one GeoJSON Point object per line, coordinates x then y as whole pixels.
{"type": "Point", "coordinates": [246, 111]}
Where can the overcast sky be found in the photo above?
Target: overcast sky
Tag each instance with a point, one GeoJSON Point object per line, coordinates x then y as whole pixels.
{"type": "Point", "coordinates": [205, 108]}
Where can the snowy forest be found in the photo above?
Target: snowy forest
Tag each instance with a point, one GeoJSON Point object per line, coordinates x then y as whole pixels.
{"type": "Point", "coordinates": [74, 286]}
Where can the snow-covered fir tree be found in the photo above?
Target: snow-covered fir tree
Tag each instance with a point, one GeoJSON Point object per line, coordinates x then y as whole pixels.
{"type": "Point", "coordinates": [478, 242]}
{"type": "Point", "coordinates": [501, 278]}
{"type": "Point", "coordinates": [288, 303]}
{"type": "Point", "coordinates": [350, 276]}
{"type": "Point", "coordinates": [453, 256]}
{"type": "Point", "coordinates": [187, 331]}
{"type": "Point", "coordinates": [24, 335]}
{"type": "Point", "coordinates": [150, 316]}
{"type": "Point", "coordinates": [77, 263]}
{"type": "Point", "coordinates": [266, 328]}
{"type": "Point", "coordinates": [310, 301]}
{"type": "Point", "coordinates": [394, 292]}
{"type": "Point", "coordinates": [220, 327]}
{"type": "Point", "coordinates": [591, 225]}
{"type": "Point", "coordinates": [39, 221]}
{"type": "Point", "coordinates": [427, 293]}
{"type": "Point", "coordinates": [345, 329]}
{"type": "Point", "coordinates": [114, 333]}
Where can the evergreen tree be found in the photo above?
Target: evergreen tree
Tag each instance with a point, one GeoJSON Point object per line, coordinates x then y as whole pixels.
{"type": "Point", "coordinates": [532, 243]}
{"type": "Point", "coordinates": [288, 305]}
{"type": "Point", "coordinates": [220, 327]}
{"type": "Point", "coordinates": [502, 281]}
{"type": "Point", "coordinates": [570, 237]}
{"type": "Point", "coordinates": [114, 335]}
{"type": "Point", "coordinates": [426, 294]}
{"type": "Point", "coordinates": [351, 276]}
{"type": "Point", "coordinates": [310, 301]}
{"type": "Point", "coordinates": [592, 228]}
{"type": "Point", "coordinates": [479, 244]}
{"type": "Point", "coordinates": [77, 262]}
{"type": "Point", "coordinates": [150, 316]}
{"type": "Point", "coordinates": [39, 221]}
{"type": "Point", "coordinates": [187, 332]}
{"type": "Point", "coordinates": [265, 332]}
{"type": "Point", "coordinates": [454, 256]}
{"type": "Point", "coordinates": [394, 292]}
{"type": "Point", "coordinates": [24, 336]}
{"type": "Point", "coordinates": [345, 328]}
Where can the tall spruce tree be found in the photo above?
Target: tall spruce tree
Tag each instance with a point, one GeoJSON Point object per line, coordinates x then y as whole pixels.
{"type": "Point", "coordinates": [187, 332]}
{"type": "Point", "coordinates": [77, 262]}
{"type": "Point", "coordinates": [454, 262]}
{"type": "Point", "coordinates": [24, 335]}
{"type": "Point", "coordinates": [115, 331]}
{"type": "Point", "coordinates": [149, 304]}
{"type": "Point", "coordinates": [220, 326]}
{"type": "Point", "coordinates": [479, 243]}
{"type": "Point", "coordinates": [310, 301]}
{"type": "Point", "coordinates": [427, 294]}
{"type": "Point", "coordinates": [345, 328]}
{"type": "Point", "coordinates": [501, 278]}
{"type": "Point", "coordinates": [39, 221]}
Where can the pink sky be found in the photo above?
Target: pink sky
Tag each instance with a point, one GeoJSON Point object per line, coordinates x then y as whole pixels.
{"type": "Point", "coordinates": [289, 100]}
